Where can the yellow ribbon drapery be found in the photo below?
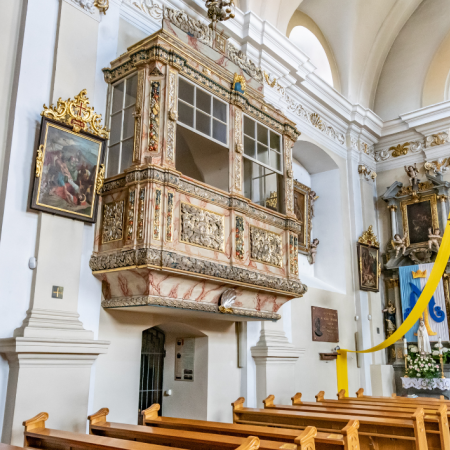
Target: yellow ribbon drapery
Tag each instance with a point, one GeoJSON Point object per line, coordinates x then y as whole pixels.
{"type": "Point", "coordinates": [428, 291]}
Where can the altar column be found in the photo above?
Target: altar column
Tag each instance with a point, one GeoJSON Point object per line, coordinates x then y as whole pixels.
{"type": "Point", "coordinates": [443, 199]}
{"type": "Point", "coordinates": [393, 210]}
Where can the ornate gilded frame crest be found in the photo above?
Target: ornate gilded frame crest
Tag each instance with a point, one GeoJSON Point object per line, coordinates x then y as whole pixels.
{"type": "Point", "coordinates": [369, 266]}
{"type": "Point", "coordinates": [424, 219]}
{"type": "Point", "coordinates": [69, 168]}
{"type": "Point", "coordinates": [302, 209]}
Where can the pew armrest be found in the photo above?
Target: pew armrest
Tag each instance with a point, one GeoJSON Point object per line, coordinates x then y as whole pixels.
{"type": "Point", "coordinates": [269, 401]}
{"type": "Point", "coordinates": [320, 397]}
{"type": "Point", "coordinates": [36, 422]}
{"type": "Point", "coordinates": [297, 399]}
{"type": "Point", "coordinates": [360, 393]}
{"type": "Point", "coordinates": [341, 394]}
{"type": "Point", "coordinates": [98, 417]}
{"type": "Point", "coordinates": [251, 443]}
{"type": "Point", "coordinates": [351, 436]}
{"type": "Point", "coordinates": [151, 413]}
{"type": "Point", "coordinates": [306, 440]}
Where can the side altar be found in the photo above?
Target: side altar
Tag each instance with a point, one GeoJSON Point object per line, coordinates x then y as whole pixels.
{"type": "Point", "coordinates": [418, 213]}
{"type": "Point", "coordinates": [197, 210]}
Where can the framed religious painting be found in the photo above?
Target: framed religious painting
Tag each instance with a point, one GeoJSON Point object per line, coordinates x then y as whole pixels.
{"type": "Point", "coordinates": [369, 266]}
{"type": "Point", "coordinates": [302, 211]}
{"type": "Point", "coordinates": [69, 162]}
{"type": "Point", "coordinates": [418, 217]}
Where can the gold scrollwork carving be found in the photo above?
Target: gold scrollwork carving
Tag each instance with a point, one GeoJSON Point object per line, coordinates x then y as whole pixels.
{"type": "Point", "coordinates": [100, 179]}
{"type": "Point", "coordinates": [400, 149]}
{"type": "Point", "coordinates": [77, 114]}
{"type": "Point", "coordinates": [39, 161]}
{"type": "Point", "coordinates": [369, 238]}
{"type": "Point", "coordinates": [102, 5]}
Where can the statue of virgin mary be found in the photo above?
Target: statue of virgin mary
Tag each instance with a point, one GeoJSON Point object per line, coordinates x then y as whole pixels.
{"type": "Point", "coordinates": [423, 341]}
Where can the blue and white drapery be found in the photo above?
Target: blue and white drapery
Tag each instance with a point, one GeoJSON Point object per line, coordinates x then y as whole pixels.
{"type": "Point", "coordinates": [410, 289]}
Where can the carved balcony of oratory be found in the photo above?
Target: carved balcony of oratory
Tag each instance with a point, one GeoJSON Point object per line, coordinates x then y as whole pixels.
{"type": "Point", "coordinates": [199, 195]}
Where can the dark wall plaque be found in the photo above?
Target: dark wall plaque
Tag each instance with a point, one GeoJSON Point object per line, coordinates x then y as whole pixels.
{"type": "Point", "coordinates": [324, 324]}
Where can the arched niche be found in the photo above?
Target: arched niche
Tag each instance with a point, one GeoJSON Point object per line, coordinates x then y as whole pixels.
{"type": "Point", "coordinates": [314, 167]}
{"type": "Point", "coordinates": [315, 46]}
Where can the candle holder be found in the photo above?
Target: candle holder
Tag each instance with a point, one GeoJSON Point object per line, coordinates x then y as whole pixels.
{"type": "Point", "coordinates": [442, 366]}
{"type": "Point", "coordinates": [406, 365]}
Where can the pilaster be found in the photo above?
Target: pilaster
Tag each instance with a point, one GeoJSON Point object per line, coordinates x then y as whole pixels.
{"type": "Point", "coordinates": [275, 359]}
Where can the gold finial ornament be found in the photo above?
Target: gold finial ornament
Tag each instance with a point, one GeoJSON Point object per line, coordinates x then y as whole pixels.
{"type": "Point", "coordinates": [219, 11]}
{"type": "Point", "coordinates": [369, 238]}
{"type": "Point", "coordinates": [39, 161]}
{"type": "Point", "coordinates": [77, 114]}
{"type": "Point", "coordinates": [100, 178]}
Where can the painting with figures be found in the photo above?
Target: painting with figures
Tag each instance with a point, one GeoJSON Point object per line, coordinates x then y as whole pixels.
{"type": "Point", "coordinates": [368, 268]}
{"type": "Point", "coordinates": [419, 221]}
{"type": "Point", "coordinates": [70, 165]}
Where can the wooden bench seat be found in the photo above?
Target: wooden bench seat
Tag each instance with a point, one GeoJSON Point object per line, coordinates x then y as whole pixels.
{"type": "Point", "coordinates": [36, 435]}
{"type": "Point", "coordinates": [387, 433]}
{"type": "Point", "coordinates": [435, 417]}
{"type": "Point", "coordinates": [9, 447]}
{"type": "Point", "coordinates": [192, 436]}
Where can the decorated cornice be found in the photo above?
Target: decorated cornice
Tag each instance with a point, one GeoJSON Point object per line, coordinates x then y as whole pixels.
{"type": "Point", "coordinates": [92, 6]}
{"type": "Point", "coordinates": [175, 180]}
{"type": "Point", "coordinates": [151, 300]}
{"type": "Point", "coordinates": [401, 149]}
{"type": "Point", "coordinates": [366, 172]}
{"type": "Point", "coordinates": [187, 264]}
{"type": "Point", "coordinates": [150, 7]}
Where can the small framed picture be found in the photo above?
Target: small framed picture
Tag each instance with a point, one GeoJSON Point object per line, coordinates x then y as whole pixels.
{"type": "Point", "coordinates": [68, 171]}
{"type": "Point", "coordinates": [368, 267]}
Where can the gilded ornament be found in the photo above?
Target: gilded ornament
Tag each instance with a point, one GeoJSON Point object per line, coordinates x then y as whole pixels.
{"type": "Point", "coordinates": [239, 83]}
{"type": "Point", "coordinates": [316, 120]}
{"type": "Point", "coordinates": [293, 254]}
{"type": "Point", "coordinates": [219, 11]}
{"type": "Point", "coordinates": [227, 300]}
{"type": "Point", "coordinates": [102, 5]}
{"type": "Point", "coordinates": [400, 149]}
{"type": "Point", "coordinates": [169, 227]}
{"type": "Point", "coordinates": [112, 226]}
{"type": "Point", "coordinates": [239, 237]}
{"type": "Point", "coordinates": [100, 179]}
{"type": "Point", "coordinates": [369, 238]}
{"type": "Point", "coordinates": [267, 78]}
{"type": "Point", "coordinates": [141, 211]}
{"type": "Point", "coordinates": [77, 114]}
{"type": "Point", "coordinates": [157, 215]}
{"type": "Point", "coordinates": [39, 161]}
{"type": "Point", "coordinates": [154, 117]}
{"type": "Point", "coordinates": [272, 201]}
{"type": "Point", "coordinates": [130, 218]}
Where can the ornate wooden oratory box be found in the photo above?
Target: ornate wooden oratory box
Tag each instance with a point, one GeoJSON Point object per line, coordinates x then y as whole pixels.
{"type": "Point", "coordinates": [198, 198]}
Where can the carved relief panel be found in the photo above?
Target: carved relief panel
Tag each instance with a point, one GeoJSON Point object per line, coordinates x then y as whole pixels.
{"type": "Point", "coordinates": [266, 247]}
{"type": "Point", "coordinates": [112, 229]}
{"type": "Point", "coordinates": [172, 116]}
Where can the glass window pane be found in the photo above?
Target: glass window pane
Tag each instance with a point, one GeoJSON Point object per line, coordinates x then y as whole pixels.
{"type": "Point", "coordinates": [116, 128]}
{"type": "Point", "coordinates": [249, 146]}
{"type": "Point", "coordinates": [220, 110]}
{"type": "Point", "coordinates": [128, 123]}
{"type": "Point", "coordinates": [262, 134]}
{"type": "Point", "coordinates": [131, 91]}
{"type": "Point", "coordinates": [185, 91]}
{"type": "Point", "coordinates": [274, 141]}
{"type": "Point", "coordinates": [203, 101]}
{"type": "Point", "coordinates": [186, 114]}
{"type": "Point", "coordinates": [249, 126]}
{"type": "Point", "coordinates": [258, 184]}
{"type": "Point", "coordinates": [271, 191]}
{"type": "Point", "coordinates": [203, 123]}
{"type": "Point", "coordinates": [117, 102]}
{"type": "Point", "coordinates": [275, 160]}
{"type": "Point", "coordinates": [248, 178]}
{"type": "Point", "coordinates": [127, 154]}
{"type": "Point", "coordinates": [113, 160]}
{"type": "Point", "coordinates": [220, 131]}
{"type": "Point", "coordinates": [263, 154]}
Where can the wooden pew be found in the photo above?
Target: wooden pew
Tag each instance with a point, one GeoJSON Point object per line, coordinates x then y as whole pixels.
{"type": "Point", "coordinates": [385, 433]}
{"type": "Point", "coordinates": [190, 432]}
{"type": "Point", "coordinates": [9, 447]}
{"type": "Point", "coordinates": [36, 435]}
{"type": "Point", "coordinates": [435, 416]}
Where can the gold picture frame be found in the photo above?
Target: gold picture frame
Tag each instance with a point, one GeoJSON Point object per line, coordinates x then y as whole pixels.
{"type": "Point", "coordinates": [302, 209]}
{"type": "Point", "coordinates": [417, 217]}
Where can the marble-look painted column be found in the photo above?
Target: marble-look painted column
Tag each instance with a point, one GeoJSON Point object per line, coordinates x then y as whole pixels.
{"type": "Point", "coordinates": [393, 209]}
{"type": "Point", "coordinates": [443, 199]}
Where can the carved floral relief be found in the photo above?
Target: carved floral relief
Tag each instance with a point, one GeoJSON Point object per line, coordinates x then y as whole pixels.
{"type": "Point", "coordinates": [157, 216]}
{"type": "Point", "coordinates": [171, 123]}
{"type": "Point", "coordinates": [112, 222]}
{"type": "Point", "coordinates": [293, 254]}
{"type": "Point", "coordinates": [240, 237]}
{"type": "Point", "coordinates": [266, 246]}
{"type": "Point", "coordinates": [201, 227]}
{"type": "Point", "coordinates": [154, 118]}
{"type": "Point", "coordinates": [169, 225]}
{"type": "Point", "coordinates": [141, 210]}
{"type": "Point", "coordinates": [130, 214]}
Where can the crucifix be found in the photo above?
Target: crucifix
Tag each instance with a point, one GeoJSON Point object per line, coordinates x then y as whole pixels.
{"type": "Point", "coordinates": [57, 292]}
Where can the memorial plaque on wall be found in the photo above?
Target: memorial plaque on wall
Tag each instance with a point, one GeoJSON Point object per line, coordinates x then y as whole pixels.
{"type": "Point", "coordinates": [324, 324]}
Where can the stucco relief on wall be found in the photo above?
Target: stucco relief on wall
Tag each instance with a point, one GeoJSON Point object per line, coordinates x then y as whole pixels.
{"type": "Point", "coordinates": [112, 222]}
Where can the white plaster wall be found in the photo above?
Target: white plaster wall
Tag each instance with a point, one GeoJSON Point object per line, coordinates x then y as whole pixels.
{"type": "Point", "coordinates": [189, 398]}
{"type": "Point", "coordinates": [10, 47]}
{"type": "Point", "coordinates": [19, 227]}
{"type": "Point", "coordinates": [118, 370]}
{"type": "Point", "coordinates": [128, 35]}
{"type": "Point", "coordinates": [402, 79]}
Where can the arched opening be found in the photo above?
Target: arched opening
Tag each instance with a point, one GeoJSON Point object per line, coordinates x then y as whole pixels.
{"type": "Point", "coordinates": [315, 168]}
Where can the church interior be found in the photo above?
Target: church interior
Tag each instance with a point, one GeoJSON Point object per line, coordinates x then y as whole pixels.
{"type": "Point", "coordinates": [223, 224]}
